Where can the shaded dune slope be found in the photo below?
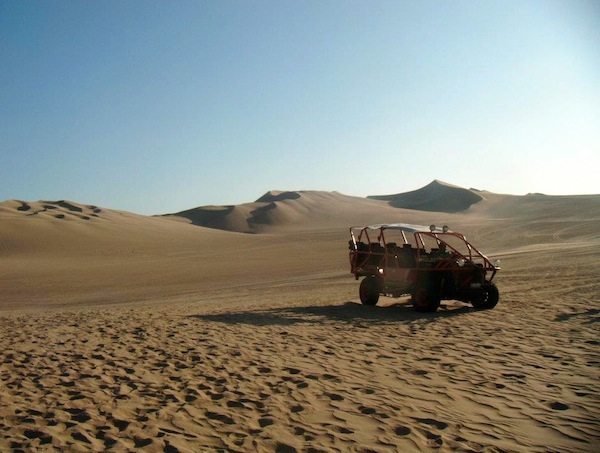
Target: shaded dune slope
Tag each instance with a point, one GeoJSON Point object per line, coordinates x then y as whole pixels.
{"type": "Point", "coordinates": [436, 196]}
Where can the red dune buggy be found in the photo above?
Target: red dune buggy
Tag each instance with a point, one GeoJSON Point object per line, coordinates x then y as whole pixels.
{"type": "Point", "coordinates": [428, 263]}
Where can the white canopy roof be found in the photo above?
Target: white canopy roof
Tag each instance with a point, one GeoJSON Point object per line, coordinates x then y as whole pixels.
{"type": "Point", "coordinates": [408, 228]}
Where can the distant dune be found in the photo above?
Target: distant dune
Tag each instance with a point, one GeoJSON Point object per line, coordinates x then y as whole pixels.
{"type": "Point", "coordinates": [278, 195]}
{"type": "Point", "coordinates": [277, 210]}
{"type": "Point", "coordinates": [436, 196]}
{"type": "Point", "coordinates": [306, 209]}
{"type": "Point", "coordinates": [60, 209]}
{"type": "Point", "coordinates": [58, 252]}
{"type": "Point", "coordinates": [64, 251]}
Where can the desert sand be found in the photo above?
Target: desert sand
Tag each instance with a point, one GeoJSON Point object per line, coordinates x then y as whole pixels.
{"type": "Point", "coordinates": [186, 333]}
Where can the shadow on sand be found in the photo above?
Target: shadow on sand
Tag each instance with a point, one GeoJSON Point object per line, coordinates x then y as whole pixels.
{"type": "Point", "coordinates": [590, 315]}
{"type": "Point", "coordinates": [349, 312]}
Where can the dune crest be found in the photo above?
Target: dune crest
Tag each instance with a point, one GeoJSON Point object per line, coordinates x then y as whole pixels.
{"type": "Point", "coordinates": [436, 196]}
{"type": "Point", "coordinates": [278, 195]}
{"type": "Point", "coordinates": [306, 209]}
{"type": "Point", "coordinates": [61, 209]}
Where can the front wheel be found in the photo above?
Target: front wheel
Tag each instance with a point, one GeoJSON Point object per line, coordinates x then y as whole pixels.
{"type": "Point", "coordinates": [488, 298]}
{"type": "Point", "coordinates": [369, 291]}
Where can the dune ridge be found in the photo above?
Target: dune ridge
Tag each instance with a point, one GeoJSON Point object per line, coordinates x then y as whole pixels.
{"type": "Point", "coordinates": [436, 196]}
{"type": "Point", "coordinates": [277, 210]}
{"type": "Point", "coordinates": [279, 195]}
{"type": "Point", "coordinates": [60, 209]}
{"type": "Point", "coordinates": [305, 209]}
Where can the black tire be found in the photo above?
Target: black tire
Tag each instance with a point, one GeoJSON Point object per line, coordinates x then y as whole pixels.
{"type": "Point", "coordinates": [426, 297]}
{"type": "Point", "coordinates": [369, 290]}
{"type": "Point", "coordinates": [488, 297]}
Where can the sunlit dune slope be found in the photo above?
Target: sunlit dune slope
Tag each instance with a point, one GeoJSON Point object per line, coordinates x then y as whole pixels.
{"type": "Point", "coordinates": [65, 252]}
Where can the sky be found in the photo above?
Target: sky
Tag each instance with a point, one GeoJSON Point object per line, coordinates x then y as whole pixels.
{"type": "Point", "coordinates": [159, 106]}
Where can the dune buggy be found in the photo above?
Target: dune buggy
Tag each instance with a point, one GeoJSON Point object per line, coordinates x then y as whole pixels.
{"type": "Point", "coordinates": [428, 263]}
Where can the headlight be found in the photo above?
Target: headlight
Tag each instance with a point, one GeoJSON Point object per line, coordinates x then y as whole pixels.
{"type": "Point", "coordinates": [460, 262]}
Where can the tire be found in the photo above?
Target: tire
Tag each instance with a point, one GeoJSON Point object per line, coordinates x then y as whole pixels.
{"type": "Point", "coordinates": [488, 298]}
{"type": "Point", "coordinates": [369, 291]}
{"type": "Point", "coordinates": [426, 298]}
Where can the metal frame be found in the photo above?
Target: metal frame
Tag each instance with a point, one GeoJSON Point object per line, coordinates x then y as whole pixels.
{"type": "Point", "coordinates": [419, 232]}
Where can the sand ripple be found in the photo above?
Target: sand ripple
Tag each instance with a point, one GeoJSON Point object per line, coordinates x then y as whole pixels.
{"type": "Point", "coordinates": [302, 377]}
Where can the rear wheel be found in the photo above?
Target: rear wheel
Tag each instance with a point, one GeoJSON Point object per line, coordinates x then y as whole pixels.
{"type": "Point", "coordinates": [369, 291]}
{"type": "Point", "coordinates": [426, 297]}
{"type": "Point", "coordinates": [488, 298]}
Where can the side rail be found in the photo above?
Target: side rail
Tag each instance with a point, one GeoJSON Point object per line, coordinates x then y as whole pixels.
{"type": "Point", "coordinates": [447, 250]}
{"type": "Point", "coordinates": [365, 255]}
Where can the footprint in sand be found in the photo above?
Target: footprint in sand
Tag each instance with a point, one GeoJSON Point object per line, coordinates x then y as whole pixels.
{"type": "Point", "coordinates": [558, 406]}
{"type": "Point", "coordinates": [432, 440]}
{"type": "Point", "coordinates": [235, 404]}
{"type": "Point", "coordinates": [265, 421]}
{"type": "Point", "coordinates": [334, 396]}
{"type": "Point", "coordinates": [431, 422]}
{"type": "Point", "coordinates": [79, 415]}
{"type": "Point", "coordinates": [170, 448]}
{"type": "Point", "coordinates": [80, 437]}
{"type": "Point", "coordinates": [141, 442]}
{"type": "Point", "coordinates": [284, 448]}
{"type": "Point", "coordinates": [402, 430]}
{"type": "Point", "coordinates": [35, 434]}
{"type": "Point", "coordinates": [121, 425]}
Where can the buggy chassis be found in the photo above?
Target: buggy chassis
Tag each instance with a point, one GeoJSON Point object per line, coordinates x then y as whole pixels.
{"type": "Point", "coordinates": [430, 264]}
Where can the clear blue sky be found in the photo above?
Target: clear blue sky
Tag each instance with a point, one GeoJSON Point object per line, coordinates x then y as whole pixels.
{"type": "Point", "coordinates": [155, 107]}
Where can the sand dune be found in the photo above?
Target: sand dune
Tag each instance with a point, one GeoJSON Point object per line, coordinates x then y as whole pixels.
{"type": "Point", "coordinates": [58, 209]}
{"type": "Point", "coordinates": [436, 196]}
{"type": "Point", "coordinates": [279, 195]}
{"type": "Point", "coordinates": [303, 210]}
{"type": "Point", "coordinates": [120, 331]}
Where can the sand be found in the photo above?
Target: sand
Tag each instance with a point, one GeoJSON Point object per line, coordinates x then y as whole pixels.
{"type": "Point", "coordinates": [130, 332]}
{"type": "Point", "coordinates": [437, 196]}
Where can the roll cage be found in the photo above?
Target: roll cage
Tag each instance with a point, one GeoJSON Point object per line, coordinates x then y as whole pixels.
{"type": "Point", "coordinates": [369, 247]}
